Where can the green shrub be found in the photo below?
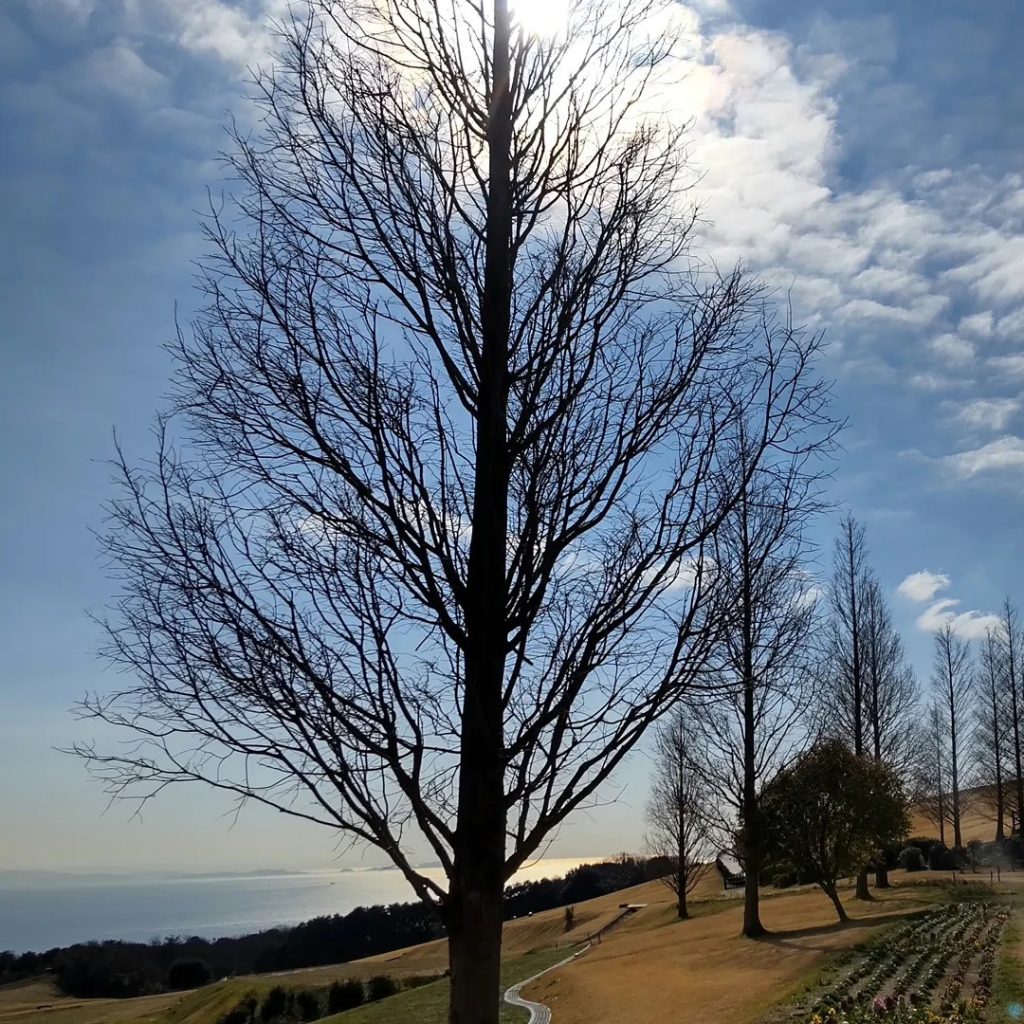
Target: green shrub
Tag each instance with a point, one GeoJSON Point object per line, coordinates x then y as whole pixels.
{"type": "Point", "coordinates": [275, 1002]}
{"type": "Point", "coordinates": [344, 995]}
{"type": "Point", "coordinates": [307, 1004]}
{"type": "Point", "coordinates": [417, 980]}
{"type": "Point", "coordinates": [911, 859]}
{"type": "Point", "coordinates": [380, 987]}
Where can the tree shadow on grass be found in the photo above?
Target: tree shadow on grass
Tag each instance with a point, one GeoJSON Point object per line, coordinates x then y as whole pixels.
{"type": "Point", "coordinates": [787, 938]}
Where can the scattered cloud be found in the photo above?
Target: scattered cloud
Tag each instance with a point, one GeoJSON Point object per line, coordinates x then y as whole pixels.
{"type": "Point", "coordinates": [988, 413]}
{"type": "Point", "coordinates": [1005, 455]}
{"type": "Point", "coordinates": [923, 586]}
{"type": "Point", "coordinates": [970, 625]}
{"type": "Point", "coordinates": [119, 72]}
{"type": "Point", "coordinates": [953, 350]}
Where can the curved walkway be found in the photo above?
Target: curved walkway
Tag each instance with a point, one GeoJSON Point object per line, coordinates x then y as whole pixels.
{"type": "Point", "coordinates": [539, 1013]}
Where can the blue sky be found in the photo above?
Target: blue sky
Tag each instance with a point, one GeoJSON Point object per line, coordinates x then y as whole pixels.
{"type": "Point", "coordinates": [866, 160]}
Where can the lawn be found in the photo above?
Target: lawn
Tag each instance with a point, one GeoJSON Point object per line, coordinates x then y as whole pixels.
{"type": "Point", "coordinates": [429, 1003]}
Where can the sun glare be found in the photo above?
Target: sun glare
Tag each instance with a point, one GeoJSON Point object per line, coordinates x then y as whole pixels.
{"type": "Point", "coordinates": [540, 17]}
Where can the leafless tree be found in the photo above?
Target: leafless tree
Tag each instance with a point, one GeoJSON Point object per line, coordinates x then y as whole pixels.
{"type": "Point", "coordinates": [951, 679]}
{"type": "Point", "coordinates": [756, 724]}
{"type": "Point", "coordinates": [991, 731]}
{"type": "Point", "coordinates": [422, 552]}
{"type": "Point", "coordinates": [1013, 679]}
{"type": "Point", "coordinates": [679, 808]}
{"type": "Point", "coordinates": [931, 769]}
{"type": "Point", "coordinates": [844, 707]}
{"type": "Point", "coordinates": [890, 692]}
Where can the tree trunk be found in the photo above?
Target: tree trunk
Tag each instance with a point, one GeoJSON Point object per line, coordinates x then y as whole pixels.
{"type": "Point", "coordinates": [681, 869]}
{"type": "Point", "coordinates": [1015, 714]}
{"type": "Point", "coordinates": [833, 895]}
{"type": "Point", "coordinates": [474, 956]}
{"type": "Point", "coordinates": [954, 761]}
{"type": "Point", "coordinates": [474, 908]}
{"type": "Point", "coordinates": [863, 892]}
{"type": "Point", "coordinates": [752, 927]}
{"type": "Point", "coordinates": [882, 878]}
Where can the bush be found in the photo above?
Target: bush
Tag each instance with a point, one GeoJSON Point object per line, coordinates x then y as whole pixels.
{"type": "Point", "coordinates": [344, 995]}
{"type": "Point", "coordinates": [308, 1004]}
{"type": "Point", "coordinates": [911, 859]}
{"type": "Point", "coordinates": [380, 987]}
{"type": "Point", "coordinates": [243, 1013]}
{"type": "Point", "coordinates": [275, 1002]}
{"type": "Point", "coordinates": [418, 980]}
{"type": "Point", "coordinates": [570, 917]}
{"type": "Point", "coordinates": [189, 974]}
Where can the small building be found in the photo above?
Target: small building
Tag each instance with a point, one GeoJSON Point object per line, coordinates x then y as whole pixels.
{"type": "Point", "coordinates": [730, 869]}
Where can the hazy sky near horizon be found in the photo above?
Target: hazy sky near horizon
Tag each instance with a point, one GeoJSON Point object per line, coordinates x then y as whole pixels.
{"type": "Point", "coordinates": [865, 157]}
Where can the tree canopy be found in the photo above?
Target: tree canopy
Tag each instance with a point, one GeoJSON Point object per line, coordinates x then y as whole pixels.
{"type": "Point", "coordinates": [829, 814]}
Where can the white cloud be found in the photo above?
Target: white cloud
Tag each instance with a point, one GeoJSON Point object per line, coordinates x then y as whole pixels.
{"type": "Point", "coordinates": [951, 349]}
{"type": "Point", "coordinates": [119, 71]}
{"type": "Point", "coordinates": [1003, 455]}
{"type": "Point", "coordinates": [988, 413]}
{"type": "Point", "coordinates": [923, 585]}
{"type": "Point", "coordinates": [970, 625]}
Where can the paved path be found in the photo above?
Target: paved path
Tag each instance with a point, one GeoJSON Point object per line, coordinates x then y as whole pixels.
{"type": "Point", "coordinates": [539, 1013]}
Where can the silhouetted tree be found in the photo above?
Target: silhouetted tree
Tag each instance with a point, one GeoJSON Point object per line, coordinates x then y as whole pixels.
{"type": "Point", "coordinates": [890, 693]}
{"type": "Point", "coordinates": [678, 809]}
{"type": "Point", "coordinates": [991, 730]}
{"type": "Point", "coordinates": [827, 814]}
{"type": "Point", "coordinates": [421, 554]}
{"type": "Point", "coordinates": [189, 974]}
{"type": "Point", "coordinates": [951, 679]}
{"type": "Point", "coordinates": [1013, 680]}
{"type": "Point", "coordinates": [844, 706]}
{"type": "Point", "coordinates": [931, 769]}
{"type": "Point", "coordinates": [768, 610]}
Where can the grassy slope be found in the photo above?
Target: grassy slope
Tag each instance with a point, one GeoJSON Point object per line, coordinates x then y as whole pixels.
{"type": "Point", "coordinates": [429, 1004]}
{"type": "Point", "coordinates": [703, 970]}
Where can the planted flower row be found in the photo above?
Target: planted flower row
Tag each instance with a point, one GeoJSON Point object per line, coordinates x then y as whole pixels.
{"type": "Point", "coordinates": [895, 981]}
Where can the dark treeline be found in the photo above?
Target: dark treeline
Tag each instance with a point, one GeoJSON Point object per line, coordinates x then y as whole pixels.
{"type": "Point", "coordinates": [122, 969]}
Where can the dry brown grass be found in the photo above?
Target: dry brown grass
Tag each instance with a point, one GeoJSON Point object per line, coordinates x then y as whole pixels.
{"type": "Point", "coordinates": [701, 970]}
{"type": "Point", "coordinates": [38, 1001]}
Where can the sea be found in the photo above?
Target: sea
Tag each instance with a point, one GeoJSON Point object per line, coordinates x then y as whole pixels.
{"type": "Point", "coordinates": [40, 910]}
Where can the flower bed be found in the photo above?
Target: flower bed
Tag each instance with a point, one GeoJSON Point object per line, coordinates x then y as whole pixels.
{"type": "Point", "coordinates": [935, 969]}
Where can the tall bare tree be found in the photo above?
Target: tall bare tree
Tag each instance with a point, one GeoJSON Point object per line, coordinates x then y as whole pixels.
{"type": "Point", "coordinates": [931, 769]}
{"type": "Point", "coordinates": [951, 679]}
{"type": "Point", "coordinates": [422, 551]}
{"type": "Point", "coordinates": [768, 610]}
{"type": "Point", "coordinates": [890, 692]}
{"type": "Point", "coordinates": [1014, 682]}
{"type": "Point", "coordinates": [991, 731]}
{"type": "Point", "coordinates": [679, 809]}
{"type": "Point", "coordinates": [844, 709]}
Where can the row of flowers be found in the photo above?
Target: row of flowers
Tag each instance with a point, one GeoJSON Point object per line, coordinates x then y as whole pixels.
{"type": "Point", "coordinates": [924, 949]}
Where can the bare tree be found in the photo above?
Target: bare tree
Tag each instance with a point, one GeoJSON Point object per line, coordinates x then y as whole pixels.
{"type": "Point", "coordinates": [1013, 673]}
{"type": "Point", "coordinates": [951, 678]}
{"type": "Point", "coordinates": [931, 770]}
{"type": "Point", "coordinates": [768, 609]}
{"type": "Point", "coordinates": [678, 811]}
{"type": "Point", "coordinates": [990, 734]}
{"type": "Point", "coordinates": [422, 551]}
{"type": "Point", "coordinates": [844, 708]}
{"type": "Point", "coordinates": [890, 692]}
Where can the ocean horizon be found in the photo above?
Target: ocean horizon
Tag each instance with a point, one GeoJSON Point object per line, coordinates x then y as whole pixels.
{"type": "Point", "coordinates": [43, 909]}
